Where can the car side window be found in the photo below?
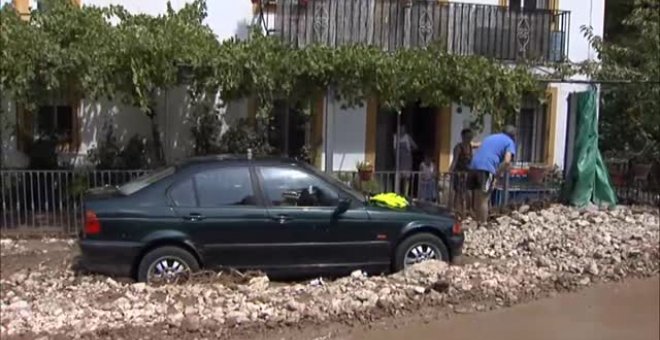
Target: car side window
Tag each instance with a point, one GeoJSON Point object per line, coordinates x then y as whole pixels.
{"type": "Point", "coordinates": [294, 187]}
{"type": "Point", "coordinates": [229, 186]}
{"type": "Point", "coordinates": [182, 194]}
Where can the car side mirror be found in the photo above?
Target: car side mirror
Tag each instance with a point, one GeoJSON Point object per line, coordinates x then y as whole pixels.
{"type": "Point", "coordinates": [343, 206]}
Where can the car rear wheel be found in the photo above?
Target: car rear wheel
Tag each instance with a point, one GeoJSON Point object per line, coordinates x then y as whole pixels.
{"type": "Point", "coordinates": [419, 248]}
{"type": "Point", "coordinates": [166, 265]}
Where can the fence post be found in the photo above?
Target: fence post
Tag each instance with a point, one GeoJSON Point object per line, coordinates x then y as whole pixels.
{"type": "Point", "coordinates": [397, 174]}
{"type": "Point", "coordinates": [407, 23]}
{"type": "Point", "coordinates": [506, 189]}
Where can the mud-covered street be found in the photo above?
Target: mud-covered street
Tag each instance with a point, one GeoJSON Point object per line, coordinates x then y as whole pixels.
{"type": "Point", "coordinates": [521, 271]}
{"type": "Point", "coordinates": [624, 310]}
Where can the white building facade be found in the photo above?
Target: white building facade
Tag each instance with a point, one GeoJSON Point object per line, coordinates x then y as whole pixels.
{"type": "Point", "coordinates": [351, 134]}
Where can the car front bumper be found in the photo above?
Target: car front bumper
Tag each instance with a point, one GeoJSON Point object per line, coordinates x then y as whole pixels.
{"type": "Point", "coordinates": [109, 257]}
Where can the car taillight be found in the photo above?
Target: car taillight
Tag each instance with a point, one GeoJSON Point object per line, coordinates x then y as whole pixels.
{"type": "Point", "coordinates": [456, 229]}
{"type": "Point", "coordinates": [92, 223]}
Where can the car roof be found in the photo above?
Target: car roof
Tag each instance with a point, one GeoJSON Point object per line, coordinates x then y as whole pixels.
{"type": "Point", "coordinates": [232, 158]}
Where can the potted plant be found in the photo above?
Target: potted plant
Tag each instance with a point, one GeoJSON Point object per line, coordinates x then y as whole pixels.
{"type": "Point", "coordinates": [640, 167]}
{"type": "Point", "coordinates": [365, 171]}
{"type": "Point", "coordinates": [369, 188]}
{"type": "Point", "coordinates": [537, 173]}
{"type": "Point", "coordinates": [616, 168]}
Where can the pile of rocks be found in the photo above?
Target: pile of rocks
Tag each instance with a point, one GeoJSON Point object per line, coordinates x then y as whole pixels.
{"type": "Point", "coordinates": [518, 257]}
{"type": "Point", "coordinates": [12, 247]}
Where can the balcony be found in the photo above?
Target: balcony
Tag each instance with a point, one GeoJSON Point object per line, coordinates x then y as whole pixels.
{"type": "Point", "coordinates": [460, 28]}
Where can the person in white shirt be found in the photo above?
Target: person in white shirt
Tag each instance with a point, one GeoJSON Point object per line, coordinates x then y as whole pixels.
{"type": "Point", "coordinates": [427, 182]}
{"type": "Point", "coordinates": [406, 146]}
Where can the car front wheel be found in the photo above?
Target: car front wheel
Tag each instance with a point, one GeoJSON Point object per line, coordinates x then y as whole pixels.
{"type": "Point", "coordinates": [419, 248]}
{"type": "Point", "coordinates": [166, 265]}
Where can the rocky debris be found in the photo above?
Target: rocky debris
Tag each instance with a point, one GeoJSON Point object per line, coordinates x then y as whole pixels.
{"type": "Point", "coordinates": [524, 255]}
{"type": "Point", "coordinates": [12, 247]}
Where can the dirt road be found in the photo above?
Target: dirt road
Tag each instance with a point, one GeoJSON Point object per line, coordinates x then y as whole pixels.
{"type": "Point", "coordinates": [628, 310]}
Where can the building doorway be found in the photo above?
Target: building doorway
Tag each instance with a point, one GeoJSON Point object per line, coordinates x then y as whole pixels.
{"type": "Point", "coordinates": [420, 124]}
{"type": "Point", "coordinates": [289, 131]}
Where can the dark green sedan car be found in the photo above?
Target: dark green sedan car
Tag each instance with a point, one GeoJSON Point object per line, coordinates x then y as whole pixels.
{"type": "Point", "coordinates": [276, 215]}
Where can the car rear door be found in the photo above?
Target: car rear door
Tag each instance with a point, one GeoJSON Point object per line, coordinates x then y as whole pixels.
{"type": "Point", "coordinates": [223, 212]}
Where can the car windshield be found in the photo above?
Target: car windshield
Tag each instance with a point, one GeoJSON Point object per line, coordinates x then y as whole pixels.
{"type": "Point", "coordinates": [144, 181]}
{"type": "Point", "coordinates": [356, 195]}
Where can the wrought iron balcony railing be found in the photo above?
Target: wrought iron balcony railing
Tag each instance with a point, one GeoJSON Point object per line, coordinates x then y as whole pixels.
{"type": "Point", "coordinates": [461, 28]}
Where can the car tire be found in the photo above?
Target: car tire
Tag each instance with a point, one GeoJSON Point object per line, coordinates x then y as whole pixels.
{"type": "Point", "coordinates": [168, 253]}
{"type": "Point", "coordinates": [423, 240]}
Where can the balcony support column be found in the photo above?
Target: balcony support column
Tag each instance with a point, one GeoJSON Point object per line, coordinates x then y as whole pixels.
{"type": "Point", "coordinates": [407, 23]}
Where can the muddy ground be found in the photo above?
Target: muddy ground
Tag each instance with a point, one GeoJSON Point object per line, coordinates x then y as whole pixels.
{"type": "Point", "coordinates": [622, 310]}
{"type": "Point", "coordinates": [519, 260]}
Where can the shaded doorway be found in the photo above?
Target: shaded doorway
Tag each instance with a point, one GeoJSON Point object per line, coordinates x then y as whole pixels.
{"type": "Point", "coordinates": [289, 130]}
{"type": "Point", "coordinates": [420, 123]}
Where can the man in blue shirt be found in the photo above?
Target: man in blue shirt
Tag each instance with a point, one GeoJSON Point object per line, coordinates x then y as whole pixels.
{"type": "Point", "coordinates": [493, 157]}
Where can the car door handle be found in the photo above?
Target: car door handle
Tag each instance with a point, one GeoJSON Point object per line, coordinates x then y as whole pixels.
{"type": "Point", "coordinates": [194, 217]}
{"type": "Point", "coordinates": [282, 218]}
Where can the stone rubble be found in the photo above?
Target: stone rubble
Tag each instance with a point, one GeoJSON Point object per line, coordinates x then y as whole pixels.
{"type": "Point", "coordinates": [518, 257]}
{"type": "Point", "coordinates": [12, 247]}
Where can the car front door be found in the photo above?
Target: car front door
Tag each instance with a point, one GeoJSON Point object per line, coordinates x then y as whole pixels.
{"type": "Point", "coordinates": [225, 217]}
{"type": "Point", "coordinates": [302, 206]}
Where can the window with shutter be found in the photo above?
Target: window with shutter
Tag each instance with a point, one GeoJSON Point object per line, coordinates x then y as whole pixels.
{"type": "Point", "coordinates": [57, 121]}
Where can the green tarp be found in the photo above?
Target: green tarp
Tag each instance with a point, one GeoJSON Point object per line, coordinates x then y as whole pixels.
{"type": "Point", "coordinates": [589, 178]}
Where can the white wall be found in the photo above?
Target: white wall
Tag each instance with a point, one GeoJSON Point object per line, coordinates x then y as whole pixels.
{"type": "Point", "coordinates": [127, 121]}
{"type": "Point", "coordinates": [483, 2]}
{"type": "Point", "coordinates": [348, 128]}
{"type": "Point", "coordinates": [583, 12]}
{"type": "Point", "coordinates": [564, 92]}
{"type": "Point", "coordinates": [227, 19]}
{"type": "Point", "coordinates": [11, 157]}
{"type": "Point", "coordinates": [460, 121]}
{"type": "Point", "coordinates": [95, 119]}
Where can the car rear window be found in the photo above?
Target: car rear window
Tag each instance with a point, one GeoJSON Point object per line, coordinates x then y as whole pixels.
{"type": "Point", "coordinates": [146, 180]}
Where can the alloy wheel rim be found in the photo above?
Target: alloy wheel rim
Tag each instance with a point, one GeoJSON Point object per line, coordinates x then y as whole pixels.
{"type": "Point", "coordinates": [167, 269]}
{"type": "Point", "coordinates": [420, 252]}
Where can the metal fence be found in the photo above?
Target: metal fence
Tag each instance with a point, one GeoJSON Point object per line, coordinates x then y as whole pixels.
{"type": "Point", "coordinates": [444, 187]}
{"type": "Point", "coordinates": [51, 199]}
{"type": "Point", "coordinates": [460, 28]}
{"type": "Point", "coordinates": [32, 199]}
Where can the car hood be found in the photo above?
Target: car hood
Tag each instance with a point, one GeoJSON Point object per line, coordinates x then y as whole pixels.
{"type": "Point", "coordinates": [416, 208]}
{"type": "Point", "coordinates": [429, 208]}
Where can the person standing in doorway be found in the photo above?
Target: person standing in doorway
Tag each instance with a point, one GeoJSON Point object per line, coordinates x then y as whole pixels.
{"type": "Point", "coordinates": [406, 145]}
{"type": "Point", "coordinates": [492, 159]}
{"type": "Point", "coordinates": [460, 165]}
{"type": "Point", "coordinates": [427, 180]}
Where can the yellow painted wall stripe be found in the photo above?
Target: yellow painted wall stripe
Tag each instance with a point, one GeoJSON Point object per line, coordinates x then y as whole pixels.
{"type": "Point", "coordinates": [370, 134]}
{"type": "Point", "coordinates": [22, 6]}
{"type": "Point", "coordinates": [443, 138]}
{"type": "Point", "coordinates": [553, 100]}
{"type": "Point", "coordinates": [554, 5]}
{"type": "Point", "coordinates": [269, 7]}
